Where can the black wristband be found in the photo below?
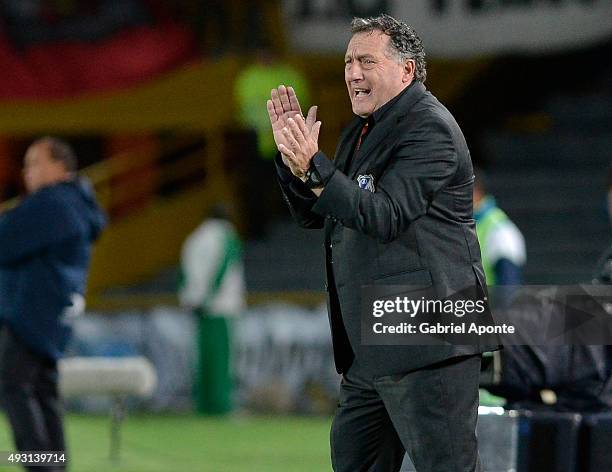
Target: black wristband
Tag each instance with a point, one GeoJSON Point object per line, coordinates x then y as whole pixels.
{"type": "Point", "coordinates": [325, 168]}
{"type": "Point", "coordinates": [313, 179]}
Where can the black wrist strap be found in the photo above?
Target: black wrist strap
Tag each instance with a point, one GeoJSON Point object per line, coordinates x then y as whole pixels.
{"type": "Point", "coordinates": [313, 179]}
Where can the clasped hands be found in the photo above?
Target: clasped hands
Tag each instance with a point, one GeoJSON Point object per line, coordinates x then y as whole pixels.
{"type": "Point", "coordinates": [297, 139]}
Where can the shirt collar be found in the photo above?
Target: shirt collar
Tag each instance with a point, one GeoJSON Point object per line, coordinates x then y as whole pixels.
{"type": "Point", "coordinates": [378, 114]}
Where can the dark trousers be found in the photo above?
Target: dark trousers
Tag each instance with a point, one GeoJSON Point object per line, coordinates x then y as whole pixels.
{"type": "Point", "coordinates": [431, 413]}
{"type": "Point", "coordinates": [29, 392]}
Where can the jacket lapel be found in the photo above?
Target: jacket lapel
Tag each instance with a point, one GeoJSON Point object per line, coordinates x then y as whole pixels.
{"type": "Point", "coordinates": [386, 125]}
{"type": "Point", "coordinates": [345, 147]}
{"type": "Point", "coordinates": [380, 131]}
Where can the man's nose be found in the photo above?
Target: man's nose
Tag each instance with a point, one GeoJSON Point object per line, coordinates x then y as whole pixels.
{"type": "Point", "coordinates": [355, 72]}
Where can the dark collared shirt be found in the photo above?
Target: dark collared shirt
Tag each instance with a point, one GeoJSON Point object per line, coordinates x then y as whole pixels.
{"type": "Point", "coordinates": [378, 114]}
{"type": "Point", "coordinates": [371, 121]}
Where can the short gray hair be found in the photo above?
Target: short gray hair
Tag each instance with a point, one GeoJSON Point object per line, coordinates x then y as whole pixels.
{"type": "Point", "coordinates": [403, 39]}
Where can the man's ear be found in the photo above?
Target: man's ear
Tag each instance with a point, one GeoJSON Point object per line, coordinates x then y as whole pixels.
{"type": "Point", "coordinates": [409, 70]}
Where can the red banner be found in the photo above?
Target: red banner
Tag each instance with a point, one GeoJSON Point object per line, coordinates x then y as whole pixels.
{"type": "Point", "coordinates": [64, 69]}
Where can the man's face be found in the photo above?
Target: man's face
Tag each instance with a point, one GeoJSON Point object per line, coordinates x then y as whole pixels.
{"type": "Point", "coordinates": [40, 169]}
{"type": "Point", "coordinates": [372, 75]}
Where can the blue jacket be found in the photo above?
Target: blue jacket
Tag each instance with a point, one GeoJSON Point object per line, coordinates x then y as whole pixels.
{"type": "Point", "coordinates": [45, 248]}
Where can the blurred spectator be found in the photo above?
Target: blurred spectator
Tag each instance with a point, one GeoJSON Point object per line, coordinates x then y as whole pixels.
{"type": "Point", "coordinates": [502, 245]}
{"type": "Point", "coordinates": [45, 246]}
{"type": "Point", "coordinates": [212, 284]}
{"type": "Point", "coordinates": [251, 91]}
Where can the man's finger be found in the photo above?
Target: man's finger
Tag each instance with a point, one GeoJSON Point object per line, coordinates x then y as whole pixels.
{"type": "Point", "coordinates": [291, 137]}
{"type": "Point", "coordinates": [286, 151]}
{"type": "Point", "coordinates": [315, 131]}
{"type": "Point", "coordinates": [284, 98]}
{"type": "Point", "coordinates": [278, 107]}
{"type": "Point", "coordinates": [293, 100]}
{"type": "Point", "coordinates": [311, 117]}
{"type": "Point", "coordinates": [301, 124]}
{"type": "Point", "coordinates": [296, 132]}
{"type": "Point", "coordinates": [271, 112]}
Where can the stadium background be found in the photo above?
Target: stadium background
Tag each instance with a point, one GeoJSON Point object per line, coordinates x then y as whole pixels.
{"type": "Point", "coordinates": [144, 90]}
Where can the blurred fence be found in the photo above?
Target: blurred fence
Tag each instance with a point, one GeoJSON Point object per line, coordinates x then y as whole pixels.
{"type": "Point", "coordinates": [282, 353]}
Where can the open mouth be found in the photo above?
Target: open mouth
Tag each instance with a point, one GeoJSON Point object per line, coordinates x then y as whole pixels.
{"type": "Point", "coordinates": [361, 92]}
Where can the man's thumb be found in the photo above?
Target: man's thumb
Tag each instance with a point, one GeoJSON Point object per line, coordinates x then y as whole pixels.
{"type": "Point", "coordinates": [315, 130]}
{"type": "Point", "coordinates": [312, 116]}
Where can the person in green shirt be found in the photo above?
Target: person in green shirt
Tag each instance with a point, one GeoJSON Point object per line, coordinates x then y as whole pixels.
{"type": "Point", "coordinates": [212, 285]}
{"type": "Point", "coordinates": [502, 245]}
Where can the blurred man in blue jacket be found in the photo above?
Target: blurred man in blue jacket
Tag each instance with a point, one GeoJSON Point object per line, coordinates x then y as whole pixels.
{"type": "Point", "coordinates": [45, 247]}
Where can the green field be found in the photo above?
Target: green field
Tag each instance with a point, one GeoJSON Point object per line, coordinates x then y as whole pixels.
{"type": "Point", "coordinates": [193, 443]}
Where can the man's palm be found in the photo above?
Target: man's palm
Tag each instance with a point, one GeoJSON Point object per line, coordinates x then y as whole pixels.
{"type": "Point", "coordinates": [283, 105]}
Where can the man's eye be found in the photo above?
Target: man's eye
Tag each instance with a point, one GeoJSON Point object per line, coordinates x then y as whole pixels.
{"type": "Point", "coordinates": [368, 61]}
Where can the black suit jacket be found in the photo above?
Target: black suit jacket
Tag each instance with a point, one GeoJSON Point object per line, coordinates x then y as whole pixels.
{"type": "Point", "coordinates": [414, 226]}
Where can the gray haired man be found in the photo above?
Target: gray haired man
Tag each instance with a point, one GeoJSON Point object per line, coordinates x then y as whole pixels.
{"type": "Point", "coordinates": [396, 207]}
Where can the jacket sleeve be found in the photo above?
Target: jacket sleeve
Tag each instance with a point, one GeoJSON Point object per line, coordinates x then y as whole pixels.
{"type": "Point", "coordinates": [424, 161]}
{"type": "Point", "coordinates": [38, 222]}
{"type": "Point", "coordinates": [298, 197]}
